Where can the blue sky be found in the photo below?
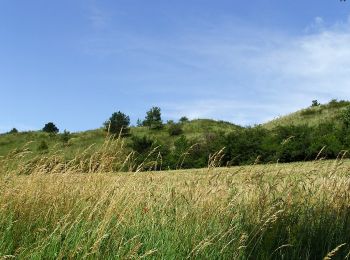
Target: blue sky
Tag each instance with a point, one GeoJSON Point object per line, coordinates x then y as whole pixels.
{"type": "Point", "coordinates": [74, 62]}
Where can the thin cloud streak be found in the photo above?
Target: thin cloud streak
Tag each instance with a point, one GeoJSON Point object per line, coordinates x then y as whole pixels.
{"type": "Point", "coordinates": [238, 65]}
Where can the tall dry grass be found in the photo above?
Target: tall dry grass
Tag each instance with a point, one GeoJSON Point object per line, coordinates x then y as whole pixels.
{"type": "Point", "coordinates": [53, 209]}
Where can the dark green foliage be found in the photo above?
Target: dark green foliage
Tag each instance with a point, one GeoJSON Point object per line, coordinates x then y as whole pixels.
{"type": "Point", "coordinates": [346, 117]}
{"type": "Point", "coordinates": [175, 129]}
{"type": "Point", "coordinates": [141, 144]}
{"type": "Point", "coordinates": [153, 119]}
{"type": "Point", "coordinates": [50, 128]}
{"type": "Point", "coordinates": [315, 103]}
{"type": "Point", "coordinates": [65, 137]}
{"type": "Point", "coordinates": [294, 142]}
{"type": "Point", "coordinates": [13, 131]}
{"type": "Point", "coordinates": [118, 123]}
{"type": "Point", "coordinates": [334, 103]}
{"type": "Point", "coordinates": [183, 119]}
{"type": "Point", "coordinates": [325, 137]}
{"type": "Point", "coordinates": [43, 146]}
{"type": "Point", "coordinates": [245, 146]}
{"type": "Point", "coordinates": [139, 122]}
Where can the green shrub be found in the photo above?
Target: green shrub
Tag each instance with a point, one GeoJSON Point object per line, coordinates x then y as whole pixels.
{"type": "Point", "coordinates": [175, 129]}
{"type": "Point", "coordinates": [346, 117]}
{"type": "Point", "coordinates": [334, 103]}
{"type": "Point", "coordinates": [141, 144]}
{"type": "Point", "coordinates": [183, 119]}
{"type": "Point", "coordinates": [65, 137]}
{"type": "Point", "coordinates": [43, 146]}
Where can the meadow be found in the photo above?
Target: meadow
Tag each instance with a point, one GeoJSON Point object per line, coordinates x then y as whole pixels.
{"type": "Point", "coordinates": [276, 211]}
{"type": "Point", "coordinates": [93, 197]}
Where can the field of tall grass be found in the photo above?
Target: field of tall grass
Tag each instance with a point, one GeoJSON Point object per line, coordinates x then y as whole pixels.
{"type": "Point", "coordinates": [84, 208]}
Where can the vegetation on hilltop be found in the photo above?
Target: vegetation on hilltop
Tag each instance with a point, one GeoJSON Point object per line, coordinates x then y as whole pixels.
{"type": "Point", "coordinates": [312, 116]}
{"type": "Point", "coordinates": [53, 205]}
{"type": "Point", "coordinates": [190, 144]}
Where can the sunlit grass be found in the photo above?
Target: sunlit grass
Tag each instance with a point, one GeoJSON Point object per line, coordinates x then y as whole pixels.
{"type": "Point", "coordinates": [292, 211]}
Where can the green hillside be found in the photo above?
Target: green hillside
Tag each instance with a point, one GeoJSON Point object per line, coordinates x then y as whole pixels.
{"type": "Point", "coordinates": [301, 137]}
{"type": "Point", "coordinates": [311, 116]}
{"type": "Point", "coordinates": [194, 129]}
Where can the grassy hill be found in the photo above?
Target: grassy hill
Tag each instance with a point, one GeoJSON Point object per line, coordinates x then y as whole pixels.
{"type": "Point", "coordinates": [311, 116]}
{"type": "Point", "coordinates": [204, 137]}
{"type": "Point", "coordinates": [82, 140]}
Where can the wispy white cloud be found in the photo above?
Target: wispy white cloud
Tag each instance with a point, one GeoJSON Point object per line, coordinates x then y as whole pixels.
{"type": "Point", "coordinates": [286, 71]}
{"type": "Point", "coordinates": [239, 73]}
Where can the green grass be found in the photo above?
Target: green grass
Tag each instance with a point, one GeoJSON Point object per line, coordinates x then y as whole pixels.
{"type": "Point", "coordinates": [82, 140]}
{"type": "Point", "coordinates": [311, 116]}
{"type": "Point", "coordinates": [291, 211]}
{"type": "Point", "coordinates": [81, 208]}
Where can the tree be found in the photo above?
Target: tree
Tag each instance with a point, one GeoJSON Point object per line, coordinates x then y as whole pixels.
{"type": "Point", "coordinates": [315, 103]}
{"type": "Point", "coordinates": [153, 119]}
{"type": "Point", "coordinates": [50, 128]}
{"type": "Point", "coordinates": [139, 122]}
{"type": "Point", "coordinates": [65, 136]}
{"type": "Point", "coordinates": [13, 131]}
{"type": "Point", "coordinates": [183, 119]}
{"type": "Point", "coordinates": [118, 123]}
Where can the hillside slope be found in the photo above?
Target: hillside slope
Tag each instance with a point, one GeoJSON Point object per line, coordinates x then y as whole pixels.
{"type": "Point", "coordinates": [311, 116]}
{"type": "Point", "coordinates": [82, 140]}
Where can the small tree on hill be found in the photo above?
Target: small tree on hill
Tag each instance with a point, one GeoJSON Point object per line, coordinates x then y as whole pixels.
{"type": "Point", "coordinates": [13, 131]}
{"type": "Point", "coordinates": [315, 103]}
{"type": "Point", "coordinates": [50, 128]}
{"type": "Point", "coordinates": [153, 119]}
{"type": "Point", "coordinates": [118, 123]}
{"type": "Point", "coordinates": [183, 119]}
{"type": "Point", "coordinates": [139, 122]}
{"type": "Point", "coordinates": [65, 137]}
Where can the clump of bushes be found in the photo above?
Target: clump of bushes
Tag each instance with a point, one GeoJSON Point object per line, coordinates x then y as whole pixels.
{"type": "Point", "coordinates": [175, 129]}
{"type": "Point", "coordinates": [334, 103]}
